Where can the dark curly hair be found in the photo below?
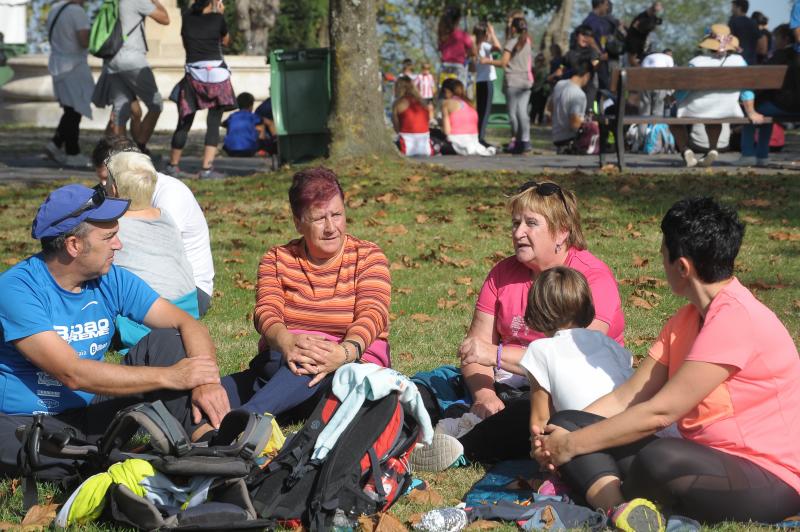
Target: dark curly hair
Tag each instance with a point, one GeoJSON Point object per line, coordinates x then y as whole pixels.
{"type": "Point", "coordinates": [707, 233]}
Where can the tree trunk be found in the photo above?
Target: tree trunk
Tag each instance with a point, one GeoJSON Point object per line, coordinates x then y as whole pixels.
{"type": "Point", "coordinates": [356, 122]}
{"type": "Point", "coordinates": [558, 28]}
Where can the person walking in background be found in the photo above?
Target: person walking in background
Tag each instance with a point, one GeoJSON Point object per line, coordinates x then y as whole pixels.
{"type": "Point", "coordinates": [636, 39]}
{"type": "Point", "coordinates": [487, 42]}
{"type": "Point", "coordinates": [602, 30]}
{"type": "Point", "coordinates": [455, 45]}
{"type": "Point", "coordinates": [516, 62]}
{"type": "Point", "coordinates": [745, 29]}
{"type": "Point", "coordinates": [129, 74]}
{"type": "Point", "coordinates": [68, 33]}
{"type": "Point", "coordinates": [764, 43]}
{"type": "Point", "coordinates": [541, 89]}
{"type": "Point", "coordinates": [426, 88]}
{"type": "Point", "coordinates": [206, 85]}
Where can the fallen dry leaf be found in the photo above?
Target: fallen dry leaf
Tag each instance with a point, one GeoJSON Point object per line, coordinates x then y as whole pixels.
{"type": "Point", "coordinates": [421, 218]}
{"type": "Point", "coordinates": [796, 303]}
{"type": "Point", "coordinates": [405, 356]}
{"type": "Point", "coordinates": [233, 261]}
{"type": "Point", "coordinates": [755, 202]}
{"type": "Point", "coordinates": [372, 222]}
{"type": "Point", "coordinates": [415, 178]}
{"type": "Point", "coordinates": [389, 197]}
{"type": "Point", "coordinates": [463, 280]}
{"type": "Point", "coordinates": [398, 229]}
{"type": "Point", "coordinates": [451, 292]}
{"type": "Point", "coordinates": [637, 301]}
{"type": "Point", "coordinates": [446, 303]}
{"type": "Point", "coordinates": [355, 203]}
{"type": "Point", "coordinates": [366, 523]}
{"type": "Point", "coordinates": [639, 262]}
{"type": "Point", "coordinates": [389, 523]}
{"type": "Point", "coordinates": [644, 280]}
{"type": "Point", "coordinates": [751, 220]}
{"type": "Point", "coordinates": [625, 190]}
{"type": "Point", "coordinates": [781, 235]}
{"type": "Point", "coordinates": [40, 516]}
{"type": "Point", "coordinates": [482, 524]}
{"type": "Point", "coordinates": [403, 290]}
{"type": "Point", "coordinates": [763, 285]}
{"type": "Point", "coordinates": [413, 519]}
{"type": "Point", "coordinates": [381, 214]}
{"type": "Point", "coordinates": [241, 282]}
{"type": "Point", "coordinates": [426, 496]}
{"type": "Point", "coordinates": [421, 317]}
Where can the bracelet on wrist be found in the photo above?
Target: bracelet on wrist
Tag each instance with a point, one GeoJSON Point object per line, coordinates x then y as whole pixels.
{"type": "Point", "coordinates": [357, 346]}
{"type": "Point", "coordinates": [346, 353]}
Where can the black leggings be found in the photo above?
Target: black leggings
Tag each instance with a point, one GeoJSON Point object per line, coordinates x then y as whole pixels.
{"type": "Point", "coordinates": [68, 131]}
{"type": "Point", "coordinates": [684, 477]}
{"type": "Point", "coordinates": [185, 124]}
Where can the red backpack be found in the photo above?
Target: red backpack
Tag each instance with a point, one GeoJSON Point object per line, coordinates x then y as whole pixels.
{"type": "Point", "coordinates": [366, 471]}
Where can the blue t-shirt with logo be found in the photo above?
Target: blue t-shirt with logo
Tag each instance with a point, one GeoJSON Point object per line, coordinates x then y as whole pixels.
{"type": "Point", "coordinates": [32, 302]}
{"type": "Point", "coordinates": [242, 133]}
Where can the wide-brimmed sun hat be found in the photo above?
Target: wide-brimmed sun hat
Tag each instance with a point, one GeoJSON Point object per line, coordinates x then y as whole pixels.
{"type": "Point", "coordinates": [719, 39]}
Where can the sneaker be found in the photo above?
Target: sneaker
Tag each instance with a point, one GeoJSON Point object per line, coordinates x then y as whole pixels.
{"type": "Point", "coordinates": [745, 160]}
{"type": "Point", "coordinates": [210, 173]}
{"type": "Point", "coordinates": [510, 147]}
{"type": "Point", "coordinates": [638, 515]}
{"type": "Point", "coordinates": [172, 170]}
{"type": "Point", "coordinates": [689, 159]}
{"type": "Point", "coordinates": [521, 147]}
{"type": "Point", "coordinates": [78, 160]}
{"type": "Point", "coordinates": [709, 159]}
{"type": "Point", "coordinates": [55, 153]}
{"type": "Point", "coordinates": [445, 451]}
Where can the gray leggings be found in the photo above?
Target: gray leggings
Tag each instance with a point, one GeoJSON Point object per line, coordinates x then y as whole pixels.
{"type": "Point", "coordinates": [517, 100]}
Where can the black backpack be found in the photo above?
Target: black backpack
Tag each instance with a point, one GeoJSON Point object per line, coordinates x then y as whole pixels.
{"type": "Point", "coordinates": [229, 457]}
{"type": "Point", "coordinates": [365, 472]}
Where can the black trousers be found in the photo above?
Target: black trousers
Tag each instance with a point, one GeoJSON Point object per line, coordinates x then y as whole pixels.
{"type": "Point", "coordinates": [684, 477]}
{"type": "Point", "coordinates": [484, 92]}
{"type": "Point", "coordinates": [160, 348]}
{"type": "Point", "coordinates": [68, 131]}
{"type": "Point", "coordinates": [213, 120]}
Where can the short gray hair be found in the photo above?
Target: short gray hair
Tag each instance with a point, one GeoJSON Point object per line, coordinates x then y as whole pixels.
{"type": "Point", "coordinates": [54, 245]}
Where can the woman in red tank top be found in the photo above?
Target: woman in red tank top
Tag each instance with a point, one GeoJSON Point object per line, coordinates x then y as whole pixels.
{"type": "Point", "coordinates": [410, 119]}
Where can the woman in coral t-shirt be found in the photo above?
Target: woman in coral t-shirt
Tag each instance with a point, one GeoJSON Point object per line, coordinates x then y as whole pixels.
{"type": "Point", "coordinates": [724, 368]}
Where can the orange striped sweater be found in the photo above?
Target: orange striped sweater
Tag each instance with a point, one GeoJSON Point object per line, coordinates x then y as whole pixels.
{"type": "Point", "coordinates": [349, 295]}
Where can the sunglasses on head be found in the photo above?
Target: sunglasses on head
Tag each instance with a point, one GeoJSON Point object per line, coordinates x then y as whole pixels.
{"type": "Point", "coordinates": [545, 189]}
{"type": "Point", "coordinates": [96, 200]}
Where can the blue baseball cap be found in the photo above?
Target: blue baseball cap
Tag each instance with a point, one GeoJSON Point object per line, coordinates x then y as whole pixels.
{"type": "Point", "coordinates": [68, 206]}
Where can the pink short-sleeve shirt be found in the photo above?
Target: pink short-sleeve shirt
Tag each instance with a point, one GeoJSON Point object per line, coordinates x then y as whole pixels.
{"type": "Point", "coordinates": [755, 414]}
{"type": "Point", "coordinates": [456, 47]}
{"type": "Point", "coordinates": [504, 295]}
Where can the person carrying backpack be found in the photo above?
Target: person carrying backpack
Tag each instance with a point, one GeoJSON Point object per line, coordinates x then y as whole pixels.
{"type": "Point", "coordinates": [68, 33]}
{"type": "Point", "coordinates": [129, 75]}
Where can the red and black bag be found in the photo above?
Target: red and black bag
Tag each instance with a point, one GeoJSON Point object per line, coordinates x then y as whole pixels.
{"type": "Point", "coordinates": [366, 471]}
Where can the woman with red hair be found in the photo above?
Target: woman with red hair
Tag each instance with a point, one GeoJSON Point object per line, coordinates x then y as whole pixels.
{"type": "Point", "coordinates": [322, 301]}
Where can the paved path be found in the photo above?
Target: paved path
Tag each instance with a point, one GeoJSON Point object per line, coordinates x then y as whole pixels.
{"type": "Point", "coordinates": [22, 159]}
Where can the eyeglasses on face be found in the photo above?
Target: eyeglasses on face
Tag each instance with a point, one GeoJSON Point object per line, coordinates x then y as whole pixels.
{"type": "Point", "coordinates": [96, 200]}
{"type": "Point", "coordinates": [545, 189]}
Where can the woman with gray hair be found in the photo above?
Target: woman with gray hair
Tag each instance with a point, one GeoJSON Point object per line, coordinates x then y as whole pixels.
{"type": "Point", "coordinates": [152, 246]}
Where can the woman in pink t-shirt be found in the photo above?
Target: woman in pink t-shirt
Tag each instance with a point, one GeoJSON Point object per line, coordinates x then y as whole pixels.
{"type": "Point", "coordinates": [546, 233]}
{"type": "Point", "coordinates": [455, 45]}
{"type": "Point", "coordinates": [724, 368]}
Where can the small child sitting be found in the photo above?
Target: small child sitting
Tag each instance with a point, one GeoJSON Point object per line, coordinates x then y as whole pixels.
{"type": "Point", "coordinates": [246, 133]}
{"type": "Point", "coordinates": [575, 366]}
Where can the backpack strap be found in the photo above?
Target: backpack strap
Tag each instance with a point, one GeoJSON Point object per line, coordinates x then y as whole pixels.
{"type": "Point", "coordinates": [167, 436]}
{"type": "Point", "coordinates": [55, 19]}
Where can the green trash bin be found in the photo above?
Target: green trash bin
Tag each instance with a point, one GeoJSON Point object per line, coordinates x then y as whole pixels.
{"type": "Point", "coordinates": [300, 88]}
{"type": "Point", "coordinates": [498, 114]}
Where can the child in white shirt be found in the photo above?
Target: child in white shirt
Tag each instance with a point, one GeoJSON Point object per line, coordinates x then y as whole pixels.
{"type": "Point", "coordinates": [575, 366]}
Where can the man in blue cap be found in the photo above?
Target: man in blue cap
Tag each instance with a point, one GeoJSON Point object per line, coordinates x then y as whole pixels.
{"type": "Point", "coordinates": [57, 314]}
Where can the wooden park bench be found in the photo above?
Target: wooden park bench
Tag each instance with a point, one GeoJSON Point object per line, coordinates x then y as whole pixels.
{"type": "Point", "coordinates": [638, 79]}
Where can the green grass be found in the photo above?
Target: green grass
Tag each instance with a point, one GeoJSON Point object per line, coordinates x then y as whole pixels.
{"type": "Point", "coordinates": [442, 231]}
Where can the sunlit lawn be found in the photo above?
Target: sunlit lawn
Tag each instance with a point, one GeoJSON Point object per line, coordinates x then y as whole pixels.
{"type": "Point", "coordinates": [442, 232]}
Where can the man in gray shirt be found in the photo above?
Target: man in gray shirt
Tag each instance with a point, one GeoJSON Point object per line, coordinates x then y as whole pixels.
{"type": "Point", "coordinates": [568, 105]}
{"type": "Point", "coordinates": [130, 76]}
